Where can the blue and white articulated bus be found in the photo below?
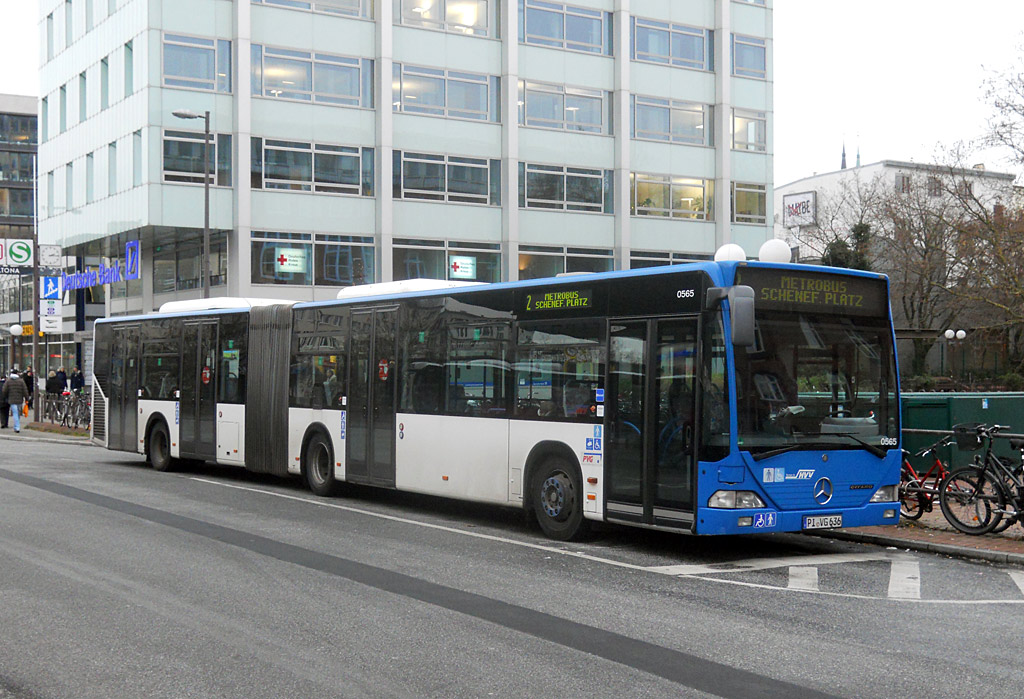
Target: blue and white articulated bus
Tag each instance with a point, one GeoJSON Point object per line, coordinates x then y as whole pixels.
{"type": "Point", "coordinates": [709, 398]}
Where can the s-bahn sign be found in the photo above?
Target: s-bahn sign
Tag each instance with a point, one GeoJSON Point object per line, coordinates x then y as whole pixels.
{"type": "Point", "coordinates": [16, 253]}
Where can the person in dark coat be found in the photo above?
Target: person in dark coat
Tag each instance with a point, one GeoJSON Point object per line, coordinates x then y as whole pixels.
{"type": "Point", "coordinates": [5, 409]}
{"type": "Point", "coordinates": [77, 379]}
{"type": "Point", "coordinates": [14, 392]}
{"type": "Point", "coordinates": [53, 384]}
{"type": "Point", "coordinates": [29, 378]}
{"type": "Point", "coordinates": [62, 377]}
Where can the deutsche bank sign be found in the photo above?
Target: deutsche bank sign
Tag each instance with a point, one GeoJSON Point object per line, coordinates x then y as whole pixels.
{"type": "Point", "coordinates": [130, 269]}
{"type": "Point", "coordinates": [799, 210]}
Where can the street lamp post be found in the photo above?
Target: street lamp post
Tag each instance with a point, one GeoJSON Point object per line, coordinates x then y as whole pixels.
{"type": "Point", "coordinates": [205, 116]}
{"type": "Point", "coordinates": [959, 336]}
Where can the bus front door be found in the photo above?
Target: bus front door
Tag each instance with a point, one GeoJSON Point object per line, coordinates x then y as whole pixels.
{"type": "Point", "coordinates": [649, 421]}
{"type": "Point", "coordinates": [198, 407]}
{"type": "Point", "coordinates": [123, 419]}
{"type": "Point", "coordinates": [371, 399]}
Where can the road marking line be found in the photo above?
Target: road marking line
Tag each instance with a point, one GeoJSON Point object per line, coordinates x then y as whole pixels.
{"type": "Point", "coordinates": [905, 580]}
{"type": "Point", "coordinates": [751, 564]}
{"type": "Point", "coordinates": [1018, 577]}
{"type": "Point", "coordinates": [803, 578]}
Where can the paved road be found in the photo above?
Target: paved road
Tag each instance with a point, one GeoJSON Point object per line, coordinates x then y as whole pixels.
{"type": "Point", "coordinates": [119, 581]}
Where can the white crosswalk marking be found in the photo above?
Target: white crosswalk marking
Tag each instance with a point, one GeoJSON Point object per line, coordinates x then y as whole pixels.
{"type": "Point", "coordinates": [803, 578]}
{"type": "Point", "coordinates": [1018, 577]}
{"type": "Point", "coordinates": [905, 580]}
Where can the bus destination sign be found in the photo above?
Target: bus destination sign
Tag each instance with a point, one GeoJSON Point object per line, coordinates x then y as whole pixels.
{"type": "Point", "coordinates": [813, 291]}
{"type": "Point", "coordinates": [558, 300]}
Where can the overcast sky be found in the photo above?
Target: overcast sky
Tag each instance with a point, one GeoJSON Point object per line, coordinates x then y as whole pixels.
{"type": "Point", "coordinates": [897, 78]}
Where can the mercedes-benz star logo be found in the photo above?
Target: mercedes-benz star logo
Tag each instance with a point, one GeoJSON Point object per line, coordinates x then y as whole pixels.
{"type": "Point", "coordinates": [823, 491]}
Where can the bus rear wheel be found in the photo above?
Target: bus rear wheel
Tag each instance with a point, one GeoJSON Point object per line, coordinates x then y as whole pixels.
{"type": "Point", "coordinates": [318, 463]}
{"type": "Point", "coordinates": [159, 448]}
{"type": "Point", "coordinates": [558, 501]}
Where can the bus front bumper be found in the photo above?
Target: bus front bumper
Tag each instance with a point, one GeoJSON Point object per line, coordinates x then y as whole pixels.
{"type": "Point", "coordinates": [750, 521]}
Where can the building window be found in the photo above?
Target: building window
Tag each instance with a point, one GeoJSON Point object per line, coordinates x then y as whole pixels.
{"type": "Point", "coordinates": [675, 197]}
{"type": "Point", "coordinates": [476, 17]}
{"type": "Point", "coordinates": [15, 166]}
{"type": "Point", "coordinates": [345, 8]}
{"type": "Point", "coordinates": [934, 187]}
{"type": "Point", "coordinates": [639, 259]}
{"type": "Point", "coordinates": [111, 168]}
{"type": "Point", "coordinates": [179, 266]}
{"type": "Point", "coordinates": [129, 70]}
{"type": "Point", "coordinates": [749, 56]}
{"type": "Point", "coordinates": [449, 93]}
{"type": "Point", "coordinates": [183, 158]}
{"type": "Point", "coordinates": [197, 63]}
{"type": "Point", "coordinates": [88, 15]}
{"type": "Point", "coordinates": [50, 187]}
{"type": "Point", "coordinates": [69, 25]}
{"type": "Point", "coordinates": [565, 188]}
{"type": "Point", "coordinates": [539, 261]}
{"type": "Point", "coordinates": [69, 187]}
{"type": "Point", "coordinates": [749, 130]}
{"type": "Point", "coordinates": [560, 107]}
{"type": "Point", "coordinates": [137, 158]}
{"type": "Point", "coordinates": [565, 26]}
{"type": "Point", "coordinates": [104, 83]}
{"type": "Point", "coordinates": [63, 108]}
{"type": "Point", "coordinates": [17, 202]}
{"type": "Point", "coordinates": [673, 44]}
{"type": "Point", "coordinates": [301, 258]}
{"type": "Point", "coordinates": [312, 167]}
{"type": "Point", "coordinates": [438, 259]}
{"type": "Point", "coordinates": [82, 93]}
{"type": "Point", "coordinates": [49, 36]}
{"type": "Point", "coordinates": [448, 178]}
{"type": "Point", "coordinates": [320, 77]}
{"type": "Point", "coordinates": [903, 184]}
{"type": "Point", "coordinates": [90, 175]}
{"type": "Point", "coordinates": [660, 119]}
{"type": "Point", "coordinates": [749, 203]}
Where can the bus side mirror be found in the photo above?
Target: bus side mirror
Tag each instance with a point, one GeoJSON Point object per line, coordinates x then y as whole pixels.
{"type": "Point", "coordinates": [741, 311]}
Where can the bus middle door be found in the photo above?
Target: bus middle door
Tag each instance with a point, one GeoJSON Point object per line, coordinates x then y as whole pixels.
{"type": "Point", "coordinates": [198, 409]}
{"type": "Point", "coordinates": [649, 421]}
{"type": "Point", "coordinates": [372, 398]}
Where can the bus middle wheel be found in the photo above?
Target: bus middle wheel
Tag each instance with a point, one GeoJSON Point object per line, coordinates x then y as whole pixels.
{"type": "Point", "coordinates": [318, 463]}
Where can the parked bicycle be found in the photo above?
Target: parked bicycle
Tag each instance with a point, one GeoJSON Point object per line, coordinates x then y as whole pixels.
{"type": "Point", "coordinates": [918, 493]}
{"type": "Point", "coordinates": [987, 496]}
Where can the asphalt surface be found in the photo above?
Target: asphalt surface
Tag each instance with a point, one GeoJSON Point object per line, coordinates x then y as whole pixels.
{"type": "Point", "coordinates": [119, 581]}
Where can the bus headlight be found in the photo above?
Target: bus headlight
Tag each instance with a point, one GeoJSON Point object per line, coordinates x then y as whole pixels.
{"type": "Point", "coordinates": [735, 500]}
{"type": "Point", "coordinates": [887, 493]}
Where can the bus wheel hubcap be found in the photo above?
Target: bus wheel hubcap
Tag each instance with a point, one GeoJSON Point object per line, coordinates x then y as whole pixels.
{"type": "Point", "coordinates": [555, 496]}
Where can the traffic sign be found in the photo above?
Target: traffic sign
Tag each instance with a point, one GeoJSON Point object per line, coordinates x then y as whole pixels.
{"type": "Point", "coordinates": [49, 288]}
{"type": "Point", "coordinates": [50, 324]}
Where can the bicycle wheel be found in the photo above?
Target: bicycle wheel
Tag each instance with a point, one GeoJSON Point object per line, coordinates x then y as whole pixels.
{"type": "Point", "coordinates": [971, 501]}
{"type": "Point", "coordinates": [911, 499]}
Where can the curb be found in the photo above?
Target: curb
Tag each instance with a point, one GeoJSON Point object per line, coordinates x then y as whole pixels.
{"type": "Point", "coordinates": [83, 441]}
{"type": "Point", "coordinates": [928, 547]}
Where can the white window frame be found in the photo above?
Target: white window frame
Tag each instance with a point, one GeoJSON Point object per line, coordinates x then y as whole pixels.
{"type": "Point", "coordinates": [760, 73]}
{"type": "Point", "coordinates": [360, 9]}
{"type": "Point", "coordinates": [706, 186]}
{"type": "Point", "coordinates": [406, 13]}
{"type": "Point", "coordinates": [706, 36]}
{"type": "Point", "coordinates": [565, 123]}
{"type": "Point", "coordinates": [760, 119]}
{"type": "Point", "coordinates": [313, 59]}
{"type": "Point", "coordinates": [403, 103]}
{"type": "Point", "coordinates": [222, 68]}
{"type": "Point", "coordinates": [565, 172]}
{"type": "Point", "coordinates": [564, 43]}
{"type": "Point", "coordinates": [311, 184]}
{"type": "Point", "coordinates": [674, 106]}
{"type": "Point", "coordinates": [177, 177]}
{"type": "Point", "coordinates": [750, 188]}
{"type": "Point", "coordinates": [445, 161]}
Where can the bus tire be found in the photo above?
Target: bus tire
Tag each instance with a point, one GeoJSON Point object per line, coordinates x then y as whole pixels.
{"type": "Point", "coordinates": [318, 465]}
{"type": "Point", "coordinates": [158, 447]}
{"type": "Point", "coordinates": [557, 497]}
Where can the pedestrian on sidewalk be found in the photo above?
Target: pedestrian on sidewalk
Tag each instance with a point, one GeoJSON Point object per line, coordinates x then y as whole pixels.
{"type": "Point", "coordinates": [29, 378]}
{"type": "Point", "coordinates": [14, 393]}
{"type": "Point", "coordinates": [77, 380]}
{"type": "Point", "coordinates": [4, 407]}
{"type": "Point", "coordinates": [62, 377]}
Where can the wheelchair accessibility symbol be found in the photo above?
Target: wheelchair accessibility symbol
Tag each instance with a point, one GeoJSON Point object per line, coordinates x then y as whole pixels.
{"type": "Point", "coordinates": [764, 520]}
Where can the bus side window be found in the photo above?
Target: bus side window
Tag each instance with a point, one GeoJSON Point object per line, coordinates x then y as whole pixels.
{"type": "Point", "coordinates": [232, 357]}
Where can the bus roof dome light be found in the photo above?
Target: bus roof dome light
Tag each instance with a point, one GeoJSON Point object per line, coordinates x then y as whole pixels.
{"type": "Point", "coordinates": [775, 250]}
{"type": "Point", "coordinates": [730, 252]}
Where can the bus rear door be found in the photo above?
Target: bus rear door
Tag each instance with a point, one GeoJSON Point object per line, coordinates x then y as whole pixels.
{"type": "Point", "coordinates": [123, 417]}
{"type": "Point", "coordinates": [649, 421]}
{"type": "Point", "coordinates": [371, 398]}
{"type": "Point", "coordinates": [198, 396]}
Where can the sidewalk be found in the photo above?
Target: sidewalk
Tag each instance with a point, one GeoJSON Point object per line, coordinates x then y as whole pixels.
{"type": "Point", "coordinates": [46, 432]}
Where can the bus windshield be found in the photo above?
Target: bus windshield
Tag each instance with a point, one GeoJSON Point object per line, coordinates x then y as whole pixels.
{"type": "Point", "coordinates": [817, 381]}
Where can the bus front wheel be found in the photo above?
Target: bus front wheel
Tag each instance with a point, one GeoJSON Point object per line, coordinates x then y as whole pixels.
{"type": "Point", "coordinates": [318, 461]}
{"type": "Point", "coordinates": [557, 500]}
{"type": "Point", "coordinates": [159, 443]}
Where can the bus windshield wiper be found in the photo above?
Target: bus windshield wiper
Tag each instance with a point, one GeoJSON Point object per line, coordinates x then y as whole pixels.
{"type": "Point", "coordinates": [874, 449]}
{"type": "Point", "coordinates": [776, 452]}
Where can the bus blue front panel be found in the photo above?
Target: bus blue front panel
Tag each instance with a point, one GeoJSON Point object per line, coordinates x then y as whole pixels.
{"type": "Point", "coordinates": [800, 489]}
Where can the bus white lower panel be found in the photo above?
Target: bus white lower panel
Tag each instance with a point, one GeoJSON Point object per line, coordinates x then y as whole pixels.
{"type": "Point", "coordinates": [585, 441]}
{"type": "Point", "coordinates": [457, 457]}
{"type": "Point", "coordinates": [299, 421]}
{"type": "Point", "coordinates": [231, 434]}
{"type": "Point", "coordinates": [166, 409]}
